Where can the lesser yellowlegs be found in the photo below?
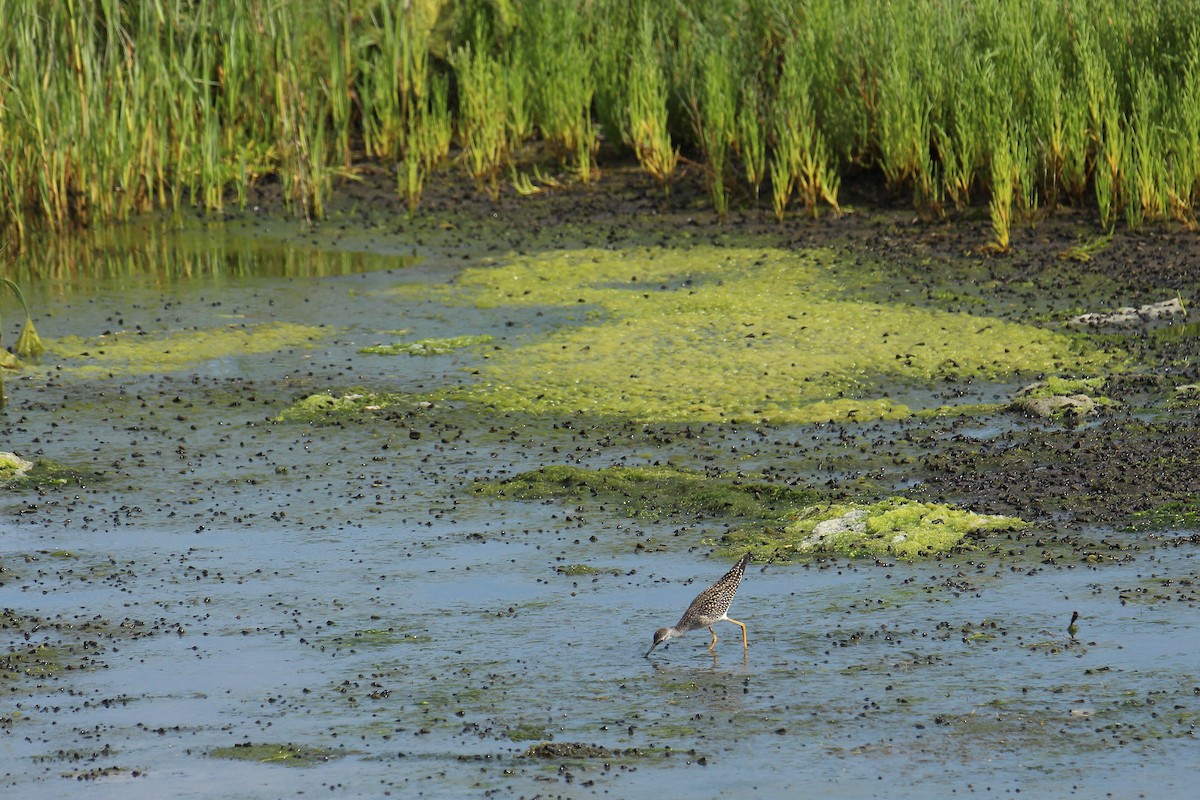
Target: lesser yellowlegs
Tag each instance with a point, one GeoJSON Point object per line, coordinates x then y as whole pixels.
{"type": "Point", "coordinates": [710, 607]}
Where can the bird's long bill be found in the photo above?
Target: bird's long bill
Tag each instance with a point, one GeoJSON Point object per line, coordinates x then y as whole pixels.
{"type": "Point", "coordinates": [651, 650]}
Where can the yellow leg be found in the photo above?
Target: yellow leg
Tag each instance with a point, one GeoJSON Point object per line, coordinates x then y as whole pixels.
{"type": "Point", "coordinates": [745, 641]}
{"type": "Point", "coordinates": [714, 641]}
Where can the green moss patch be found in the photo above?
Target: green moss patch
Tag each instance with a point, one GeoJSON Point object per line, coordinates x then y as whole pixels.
{"type": "Point", "coordinates": [426, 347]}
{"type": "Point", "coordinates": [290, 755]}
{"type": "Point", "coordinates": [738, 334]}
{"type": "Point", "coordinates": [654, 491]}
{"type": "Point", "coordinates": [131, 353]}
{"type": "Point", "coordinates": [896, 527]}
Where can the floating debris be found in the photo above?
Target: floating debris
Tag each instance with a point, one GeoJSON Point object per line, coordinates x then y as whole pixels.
{"type": "Point", "coordinates": [1128, 316]}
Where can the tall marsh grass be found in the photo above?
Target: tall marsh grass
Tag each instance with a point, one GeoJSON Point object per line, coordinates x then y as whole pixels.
{"type": "Point", "coordinates": [110, 108]}
{"type": "Point", "coordinates": [646, 129]}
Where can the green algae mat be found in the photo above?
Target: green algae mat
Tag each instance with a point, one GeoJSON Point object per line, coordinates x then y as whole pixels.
{"type": "Point", "coordinates": [131, 353]}
{"type": "Point", "coordinates": [735, 334]}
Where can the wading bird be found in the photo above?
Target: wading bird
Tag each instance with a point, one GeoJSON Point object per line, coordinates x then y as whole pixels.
{"type": "Point", "coordinates": [710, 607]}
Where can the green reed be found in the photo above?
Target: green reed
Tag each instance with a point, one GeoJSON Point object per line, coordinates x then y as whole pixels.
{"type": "Point", "coordinates": [482, 102]}
{"type": "Point", "coordinates": [714, 111]}
{"type": "Point", "coordinates": [646, 130]}
{"type": "Point", "coordinates": [752, 139]}
{"type": "Point", "coordinates": [559, 57]}
{"type": "Point", "coordinates": [801, 160]}
{"type": "Point", "coordinates": [1183, 184]}
{"type": "Point", "coordinates": [111, 108]}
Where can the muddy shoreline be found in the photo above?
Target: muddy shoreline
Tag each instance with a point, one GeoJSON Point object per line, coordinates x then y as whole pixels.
{"type": "Point", "coordinates": [212, 598]}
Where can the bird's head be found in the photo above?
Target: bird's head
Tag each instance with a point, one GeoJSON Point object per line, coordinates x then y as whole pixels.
{"type": "Point", "coordinates": [660, 636]}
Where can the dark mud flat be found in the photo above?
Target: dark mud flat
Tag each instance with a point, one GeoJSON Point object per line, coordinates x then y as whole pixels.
{"type": "Point", "coordinates": [211, 602]}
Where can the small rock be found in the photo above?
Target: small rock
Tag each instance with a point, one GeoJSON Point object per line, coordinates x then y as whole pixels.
{"type": "Point", "coordinates": [1057, 406]}
{"type": "Point", "coordinates": [854, 520]}
{"type": "Point", "coordinates": [12, 466]}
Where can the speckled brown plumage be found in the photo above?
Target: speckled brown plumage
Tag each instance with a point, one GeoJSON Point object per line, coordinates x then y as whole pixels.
{"type": "Point", "coordinates": [709, 607]}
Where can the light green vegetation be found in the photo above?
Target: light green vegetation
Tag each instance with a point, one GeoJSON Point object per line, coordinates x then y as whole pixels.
{"type": "Point", "coordinates": [735, 334]}
{"type": "Point", "coordinates": [1085, 250]}
{"type": "Point", "coordinates": [39, 647]}
{"type": "Point", "coordinates": [481, 102]}
{"type": "Point", "coordinates": [324, 409]}
{"type": "Point", "coordinates": [114, 108]}
{"type": "Point", "coordinates": [646, 130]}
{"type": "Point", "coordinates": [28, 345]}
{"type": "Point", "coordinates": [654, 491]}
{"type": "Point", "coordinates": [578, 569]}
{"type": "Point", "coordinates": [896, 527]}
{"type": "Point", "coordinates": [290, 755]}
{"type": "Point", "coordinates": [128, 353]}
{"type": "Point", "coordinates": [426, 347]}
{"type": "Point", "coordinates": [1058, 387]}
{"type": "Point", "coordinates": [59, 553]}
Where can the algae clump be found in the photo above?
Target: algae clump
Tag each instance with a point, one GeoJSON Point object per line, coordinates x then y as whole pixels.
{"type": "Point", "coordinates": [1061, 397]}
{"type": "Point", "coordinates": [896, 527]}
{"type": "Point", "coordinates": [324, 408]}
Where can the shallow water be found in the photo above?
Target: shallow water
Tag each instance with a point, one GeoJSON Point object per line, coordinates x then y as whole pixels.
{"type": "Point", "coordinates": [343, 588]}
